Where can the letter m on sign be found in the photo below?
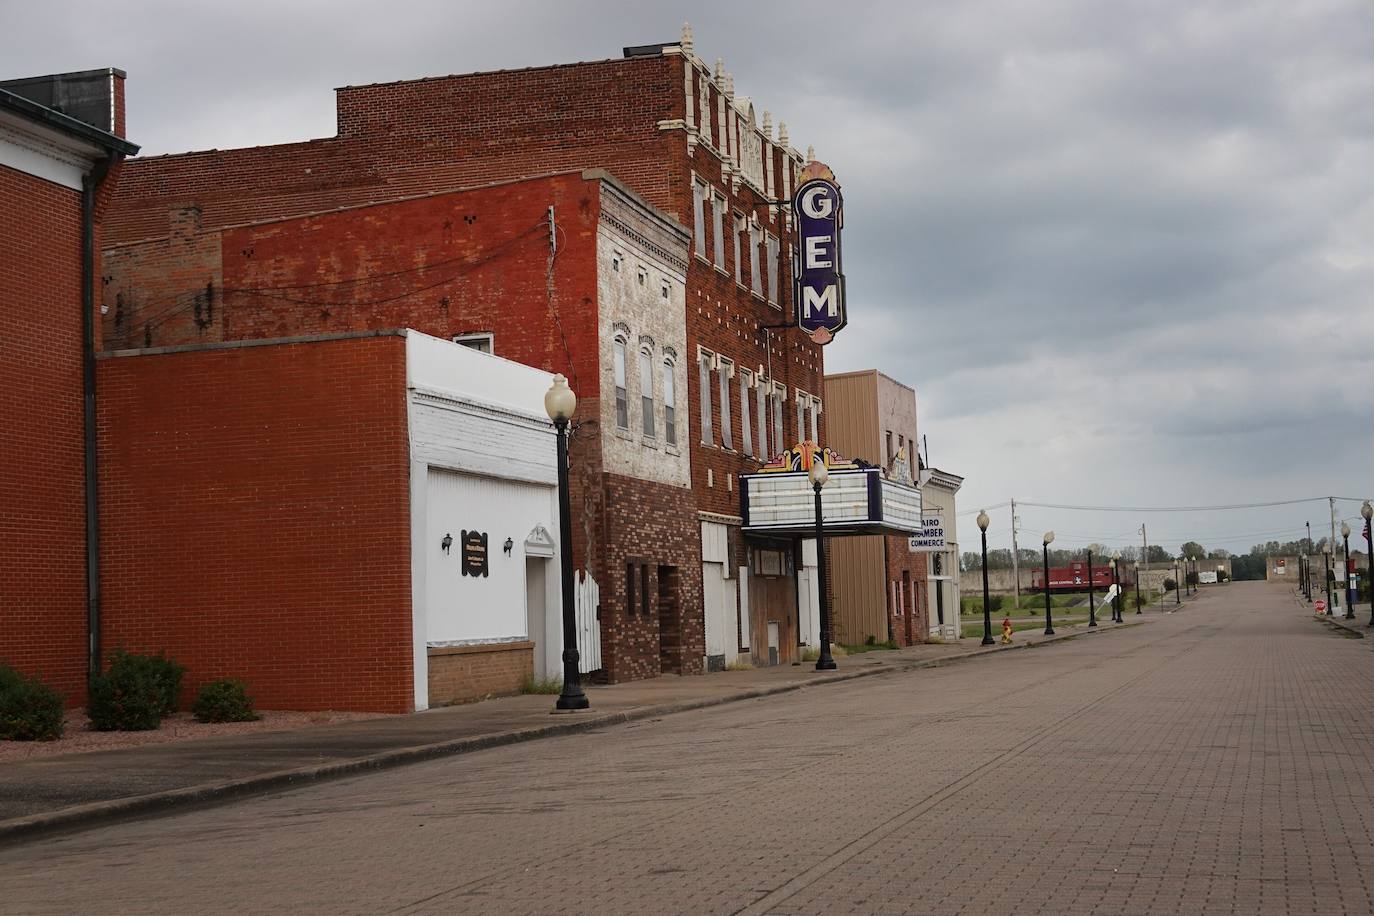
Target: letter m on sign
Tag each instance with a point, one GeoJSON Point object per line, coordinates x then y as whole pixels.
{"type": "Point", "coordinates": [825, 304]}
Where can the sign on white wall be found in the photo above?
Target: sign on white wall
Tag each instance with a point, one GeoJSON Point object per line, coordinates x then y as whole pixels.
{"type": "Point", "coordinates": [931, 537]}
{"type": "Point", "coordinates": [1207, 577]}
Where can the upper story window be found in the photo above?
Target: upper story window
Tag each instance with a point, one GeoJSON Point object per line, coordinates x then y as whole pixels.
{"type": "Point", "coordinates": [760, 401]}
{"type": "Point", "coordinates": [646, 390]}
{"type": "Point", "coordinates": [746, 384]}
{"type": "Point", "coordinates": [482, 342]}
{"type": "Point", "coordinates": [727, 369]}
{"type": "Point", "coordinates": [739, 248]}
{"type": "Point", "coordinates": [622, 398]}
{"type": "Point", "coordinates": [774, 267]}
{"type": "Point", "coordinates": [669, 402]}
{"type": "Point", "coordinates": [704, 360]}
{"type": "Point", "coordinates": [616, 258]}
{"type": "Point", "coordinates": [699, 217]}
{"type": "Point", "coordinates": [642, 276]}
{"type": "Point", "coordinates": [778, 394]}
{"type": "Point", "coordinates": [755, 245]}
{"type": "Point", "coordinates": [718, 228]}
{"type": "Point", "coordinates": [664, 290]}
{"type": "Point", "coordinates": [808, 412]}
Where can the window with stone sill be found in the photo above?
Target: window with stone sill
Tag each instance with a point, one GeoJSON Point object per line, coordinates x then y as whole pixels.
{"type": "Point", "coordinates": [774, 267]}
{"type": "Point", "coordinates": [726, 370]}
{"type": "Point", "coordinates": [669, 404]}
{"type": "Point", "coordinates": [704, 360]}
{"type": "Point", "coordinates": [760, 398]}
{"type": "Point", "coordinates": [622, 400]}
{"type": "Point", "coordinates": [746, 382]}
{"type": "Point", "coordinates": [616, 258]}
{"type": "Point", "coordinates": [642, 276]}
{"type": "Point", "coordinates": [699, 194]}
{"type": "Point", "coordinates": [738, 236]}
{"type": "Point", "coordinates": [718, 229]}
{"type": "Point", "coordinates": [755, 273]}
{"type": "Point", "coordinates": [646, 391]}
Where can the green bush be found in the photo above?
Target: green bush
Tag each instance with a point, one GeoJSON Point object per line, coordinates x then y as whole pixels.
{"type": "Point", "coordinates": [1170, 585]}
{"type": "Point", "coordinates": [135, 693]}
{"type": "Point", "coordinates": [29, 709]}
{"type": "Point", "coordinates": [225, 700]}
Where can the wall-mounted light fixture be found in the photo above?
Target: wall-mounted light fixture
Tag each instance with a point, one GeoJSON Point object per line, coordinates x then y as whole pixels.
{"type": "Point", "coordinates": [508, 546]}
{"type": "Point", "coordinates": [447, 542]}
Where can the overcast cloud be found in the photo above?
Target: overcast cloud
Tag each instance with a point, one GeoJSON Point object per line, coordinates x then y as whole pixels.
{"type": "Point", "coordinates": [1123, 250]}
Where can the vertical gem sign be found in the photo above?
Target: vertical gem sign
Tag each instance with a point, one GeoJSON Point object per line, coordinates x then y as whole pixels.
{"type": "Point", "coordinates": [819, 290]}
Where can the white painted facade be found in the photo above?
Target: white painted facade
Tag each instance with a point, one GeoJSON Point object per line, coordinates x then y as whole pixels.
{"type": "Point", "coordinates": [938, 497]}
{"type": "Point", "coordinates": [642, 309]}
{"type": "Point", "coordinates": [482, 458]}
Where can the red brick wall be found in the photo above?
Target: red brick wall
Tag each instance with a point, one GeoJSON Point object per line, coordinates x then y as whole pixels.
{"type": "Point", "coordinates": [910, 628]}
{"type": "Point", "coordinates": [42, 507]}
{"type": "Point", "coordinates": [654, 525]}
{"type": "Point", "coordinates": [255, 518]}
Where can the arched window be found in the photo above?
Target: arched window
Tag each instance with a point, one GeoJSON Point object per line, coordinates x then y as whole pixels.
{"type": "Point", "coordinates": [622, 402]}
{"type": "Point", "coordinates": [646, 390]}
{"type": "Point", "coordinates": [669, 403]}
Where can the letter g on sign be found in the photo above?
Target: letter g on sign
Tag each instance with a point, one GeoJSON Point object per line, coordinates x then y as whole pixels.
{"type": "Point", "coordinates": [816, 202]}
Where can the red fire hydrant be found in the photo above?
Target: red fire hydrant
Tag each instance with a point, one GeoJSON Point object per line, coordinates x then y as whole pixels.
{"type": "Point", "coordinates": [1006, 630]}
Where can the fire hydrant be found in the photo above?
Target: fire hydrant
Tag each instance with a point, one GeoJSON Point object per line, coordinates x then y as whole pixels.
{"type": "Point", "coordinates": [1006, 630]}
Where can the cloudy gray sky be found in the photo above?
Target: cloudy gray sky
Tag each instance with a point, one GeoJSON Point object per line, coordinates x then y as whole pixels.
{"type": "Point", "coordinates": [1123, 250]}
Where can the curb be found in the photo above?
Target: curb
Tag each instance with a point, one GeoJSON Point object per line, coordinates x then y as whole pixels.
{"type": "Point", "coordinates": [205, 794]}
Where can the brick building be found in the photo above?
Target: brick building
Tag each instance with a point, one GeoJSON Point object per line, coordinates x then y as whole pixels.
{"type": "Point", "coordinates": [302, 513]}
{"type": "Point", "coordinates": [61, 141]}
{"type": "Point", "coordinates": [880, 585]}
{"type": "Point", "coordinates": [673, 130]}
{"type": "Point", "coordinates": [571, 272]}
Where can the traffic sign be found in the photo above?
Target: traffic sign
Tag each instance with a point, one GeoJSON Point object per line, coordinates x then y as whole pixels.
{"type": "Point", "coordinates": [1321, 606]}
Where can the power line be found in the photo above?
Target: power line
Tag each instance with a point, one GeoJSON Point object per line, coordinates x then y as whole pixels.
{"type": "Point", "coordinates": [1266, 505]}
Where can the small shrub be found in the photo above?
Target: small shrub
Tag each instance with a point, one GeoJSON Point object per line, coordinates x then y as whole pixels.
{"type": "Point", "coordinates": [29, 709]}
{"type": "Point", "coordinates": [995, 603]}
{"type": "Point", "coordinates": [129, 700]}
{"type": "Point", "coordinates": [870, 640]}
{"type": "Point", "coordinates": [1170, 585]}
{"type": "Point", "coordinates": [225, 700]}
{"type": "Point", "coordinates": [740, 665]}
{"type": "Point", "coordinates": [545, 685]}
{"type": "Point", "coordinates": [811, 654]}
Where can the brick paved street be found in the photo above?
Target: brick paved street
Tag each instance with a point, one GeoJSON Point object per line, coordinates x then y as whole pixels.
{"type": "Point", "coordinates": [1220, 760]}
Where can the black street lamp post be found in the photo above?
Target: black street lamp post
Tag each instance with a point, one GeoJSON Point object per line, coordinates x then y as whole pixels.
{"type": "Point", "coordinates": [560, 402]}
{"type": "Point", "coordinates": [819, 474]}
{"type": "Point", "coordinates": [1092, 614]}
{"type": "Point", "coordinates": [1045, 547]}
{"type": "Point", "coordinates": [983, 522]}
{"type": "Point", "coordinates": [1137, 588]}
{"type": "Point", "coordinates": [1349, 592]}
{"type": "Point", "coordinates": [1308, 554]}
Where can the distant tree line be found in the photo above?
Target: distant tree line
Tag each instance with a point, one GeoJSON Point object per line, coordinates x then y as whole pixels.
{"type": "Point", "coordinates": [1243, 566]}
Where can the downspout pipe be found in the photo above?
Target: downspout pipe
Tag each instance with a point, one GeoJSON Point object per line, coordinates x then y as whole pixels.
{"type": "Point", "coordinates": [90, 186]}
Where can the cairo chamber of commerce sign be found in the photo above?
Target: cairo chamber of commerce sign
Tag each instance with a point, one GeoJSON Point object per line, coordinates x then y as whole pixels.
{"type": "Point", "coordinates": [931, 537]}
{"type": "Point", "coordinates": [819, 284]}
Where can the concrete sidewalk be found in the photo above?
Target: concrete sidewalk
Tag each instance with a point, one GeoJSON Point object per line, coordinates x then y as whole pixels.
{"type": "Point", "coordinates": [53, 793]}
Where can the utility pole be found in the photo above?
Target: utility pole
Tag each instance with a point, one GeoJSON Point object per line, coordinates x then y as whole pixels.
{"type": "Point", "coordinates": [1015, 560]}
{"type": "Point", "coordinates": [1332, 501]}
{"type": "Point", "coordinates": [1145, 559]}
